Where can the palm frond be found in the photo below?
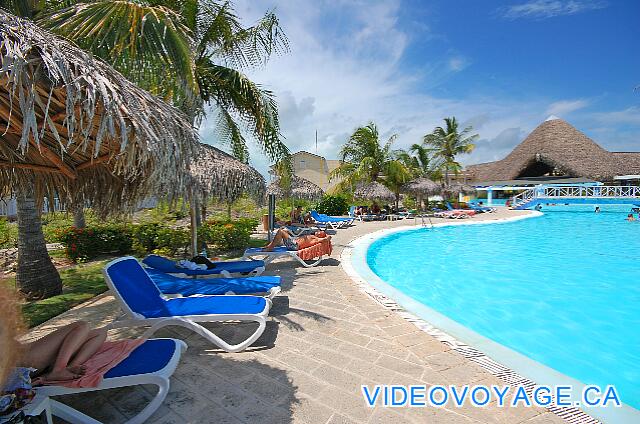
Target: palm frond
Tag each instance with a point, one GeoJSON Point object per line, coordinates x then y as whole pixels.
{"type": "Point", "coordinates": [220, 32]}
{"type": "Point", "coordinates": [255, 107]}
{"type": "Point", "coordinates": [148, 44]}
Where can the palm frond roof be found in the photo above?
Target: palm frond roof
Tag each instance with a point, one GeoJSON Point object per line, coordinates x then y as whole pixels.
{"type": "Point", "coordinates": [74, 126]}
{"type": "Point", "coordinates": [557, 144]}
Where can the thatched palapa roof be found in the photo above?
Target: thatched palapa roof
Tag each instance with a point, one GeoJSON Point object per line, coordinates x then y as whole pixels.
{"type": "Point", "coordinates": [556, 144]}
{"type": "Point", "coordinates": [374, 191]}
{"type": "Point", "coordinates": [422, 187]}
{"type": "Point", "coordinates": [218, 175]}
{"type": "Point", "coordinates": [300, 188]}
{"type": "Point", "coordinates": [458, 188]}
{"type": "Point", "coordinates": [72, 125]}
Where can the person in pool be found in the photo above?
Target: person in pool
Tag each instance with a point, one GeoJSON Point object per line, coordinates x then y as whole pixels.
{"type": "Point", "coordinates": [630, 217]}
{"type": "Point", "coordinates": [284, 237]}
{"type": "Point", "coordinates": [597, 209]}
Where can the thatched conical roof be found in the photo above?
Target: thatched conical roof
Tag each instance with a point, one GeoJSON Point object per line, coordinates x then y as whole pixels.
{"type": "Point", "coordinates": [300, 188]}
{"type": "Point", "coordinates": [74, 127]}
{"type": "Point", "coordinates": [556, 144]}
{"type": "Point", "coordinates": [422, 186]}
{"type": "Point", "coordinates": [218, 175]}
{"type": "Point", "coordinates": [374, 191]}
{"type": "Point", "coordinates": [458, 188]}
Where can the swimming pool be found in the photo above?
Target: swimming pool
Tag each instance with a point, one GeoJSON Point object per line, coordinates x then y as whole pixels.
{"type": "Point", "coordinates": [561, 289]}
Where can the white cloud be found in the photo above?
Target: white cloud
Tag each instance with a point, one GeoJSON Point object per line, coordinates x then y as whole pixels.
{"type": "Point", "coordinates": [565, 107]}
{"type": "Point", "coordinates": [345, 70]}
{"type": "Point", "coordinates": [458, 63]}
{"type": "Point", "coordinates": [629, 116]}
{"type": "Point", "coordinates": [541, 9]}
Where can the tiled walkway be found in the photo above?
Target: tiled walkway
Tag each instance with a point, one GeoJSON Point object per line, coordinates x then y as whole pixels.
{"type": "Point", "coordinates": [326, 338]}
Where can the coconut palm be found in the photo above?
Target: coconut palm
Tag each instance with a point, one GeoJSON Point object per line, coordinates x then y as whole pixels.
{"type": "Point", "coordinates": [364, 159]}
{"type": "Point", "coordinates": [448, 142]}
{"type": "Point", "coordinates": [420, 161]}
{"type": "Point", "coordinates": [191, 52]}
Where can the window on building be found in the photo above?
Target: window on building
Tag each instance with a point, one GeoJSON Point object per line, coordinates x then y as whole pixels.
{"type": "Point", "coordinates": [303, 164]}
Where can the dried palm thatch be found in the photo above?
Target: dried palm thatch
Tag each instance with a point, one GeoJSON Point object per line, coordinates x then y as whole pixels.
{"type": "Point", "coordinates": [556, 146]}
{"type": "Point", "coordinates": [299, 188]}
{"type": "Point", "coordinates": [374, 191]}
{"type": "Point", "coordinates": [76, 128]}
{"type": "Point", "coordinates": [458, 188]}
{"type": "Point", "coordinates": [217, 175]}
{"type": "Point", "coordinates": [422, 187]}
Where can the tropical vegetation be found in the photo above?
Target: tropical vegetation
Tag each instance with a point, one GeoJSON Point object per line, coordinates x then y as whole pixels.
{"type": "Point", "coordinates": [448, 142]}
{"type": "Point", "coordinates": [190, 52]}
{"type": "Point", "coordinates": [365, 160]}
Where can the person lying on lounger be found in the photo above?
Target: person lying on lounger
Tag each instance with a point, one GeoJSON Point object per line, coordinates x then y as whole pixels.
{"type": "Point", "coordinates": [284, 237]}
{"type": "Point", "coordinates": [59, 356]}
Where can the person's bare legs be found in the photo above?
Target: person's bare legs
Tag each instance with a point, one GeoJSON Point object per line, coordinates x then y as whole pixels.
{"type": "Point", "coordinates": [64, 351]}
{"type": "Point", "coordinates": [278, 239]}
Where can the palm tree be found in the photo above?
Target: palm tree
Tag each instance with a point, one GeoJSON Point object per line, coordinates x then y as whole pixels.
{"type": "Point", "coordinates": [190, 52]}
{"type": "Point", "coordinates": [421, 163]}
{"type": "Point", "coordinates": [364, 160]}
{"type": "Point", "coordinates": [183, 51]}
{"type": "Point", "coordinates": [449, 142]}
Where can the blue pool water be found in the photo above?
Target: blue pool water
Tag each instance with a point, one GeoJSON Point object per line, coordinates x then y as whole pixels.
{"type": "Point", "coordinates": [562, 289]}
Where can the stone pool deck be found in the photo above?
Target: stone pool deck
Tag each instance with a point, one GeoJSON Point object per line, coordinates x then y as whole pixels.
{"type": "Point", "coordinates": [326, 337]}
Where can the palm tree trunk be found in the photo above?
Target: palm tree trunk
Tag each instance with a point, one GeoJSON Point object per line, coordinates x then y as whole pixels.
{"type": "Point", "coordinates": [204, 212]}
{"type": "Point", "coordinates": [36, 276]}
{"type": "Point", "coordinates": [78, 217]}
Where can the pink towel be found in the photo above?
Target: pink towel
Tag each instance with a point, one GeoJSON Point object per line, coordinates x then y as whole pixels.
{"type": "Point", "coordinates": [108, 356]}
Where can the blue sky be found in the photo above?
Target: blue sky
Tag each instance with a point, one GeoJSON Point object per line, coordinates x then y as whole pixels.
{"type": "Point", "coordinates": [500, 66]}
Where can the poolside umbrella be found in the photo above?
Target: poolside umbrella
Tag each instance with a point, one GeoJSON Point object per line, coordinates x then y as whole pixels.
{"type": "Point", "coordinates": [458, 188]}
{"type": "Point", "coordinates": [299, 188]}
{"type": "Point", "coordinates": [218, 175]}
{"type": "Point", "coordinates": [422, 187]}
{"type": "Point", "coordinates": [214, 174]}
{"type": "Point", "coordinates": [374, 191]}
{"type": "Point", "coordinates": [455, 189]}
{"type": "Point", "coordinates": [74, 128]}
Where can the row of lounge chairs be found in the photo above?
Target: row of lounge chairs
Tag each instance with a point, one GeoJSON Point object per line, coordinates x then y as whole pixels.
{"type": "Point", "coordinates": [157, 293]}
{"type": "Point", "coordinates": [471, 210]}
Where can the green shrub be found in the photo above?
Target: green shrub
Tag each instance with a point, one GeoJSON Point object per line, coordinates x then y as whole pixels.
{"type": "Point", "coordinates": [144, 237]}
{"type": "Point", "coordinates": [8, 234]}
{"type": "Point", "coordinates": [82, 244]}
{"type": "Point", "coordinates": [169, 241]}
{"type": "Point", "coordinates": [227, 235]}
{"type": "Point", "coordinates": [333, 205]}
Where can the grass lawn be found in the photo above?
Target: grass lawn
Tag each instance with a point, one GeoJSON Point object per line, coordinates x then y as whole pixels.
{"type": "Point", "coordinates": [79, 284]}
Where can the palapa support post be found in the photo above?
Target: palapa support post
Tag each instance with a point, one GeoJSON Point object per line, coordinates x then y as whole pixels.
{"type": "Point", "coordinates": [194, 227]}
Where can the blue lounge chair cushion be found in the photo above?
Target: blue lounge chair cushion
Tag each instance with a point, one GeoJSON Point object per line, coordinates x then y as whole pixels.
{"type": "Point", "coordinates": [207, 305]}
{"type": "Point", "coordinates": [170, 284]}
{"type": "Point", "coordinates": [167, 265]}
{"type": "Point", "coordinates": [325, 218]}
{"type": "Point", "coordinates": [151, 356]}
{"type": "Point", "coordinates": [142, 296]}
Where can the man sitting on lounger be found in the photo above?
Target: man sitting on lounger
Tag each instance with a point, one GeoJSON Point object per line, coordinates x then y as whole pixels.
{"type": "Point", "coordinates": [284, 237]}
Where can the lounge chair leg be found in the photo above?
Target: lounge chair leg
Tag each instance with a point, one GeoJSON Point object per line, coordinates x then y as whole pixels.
{"type": "Point", "coordinates": [197, 328]}
{"type": "Point", "coordinates": [69, 414]}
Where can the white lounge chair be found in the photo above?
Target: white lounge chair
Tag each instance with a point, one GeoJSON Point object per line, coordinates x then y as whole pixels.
{"type": "Point", "coordinates": [278, 252]}
{"type": "Point", "coordinates": [144, 305]}
{"type": "Point", "coordinates": [152, 363]}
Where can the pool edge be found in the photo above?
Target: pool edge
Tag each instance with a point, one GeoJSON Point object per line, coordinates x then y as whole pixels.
{"type": "Point", "coordinates": [500, 361]}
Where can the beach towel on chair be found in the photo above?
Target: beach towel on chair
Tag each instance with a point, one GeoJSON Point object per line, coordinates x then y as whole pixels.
{"type": "Point", "coordinates": [109, 355]}
{"type": "Point", "coordinates": [309, 252]}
